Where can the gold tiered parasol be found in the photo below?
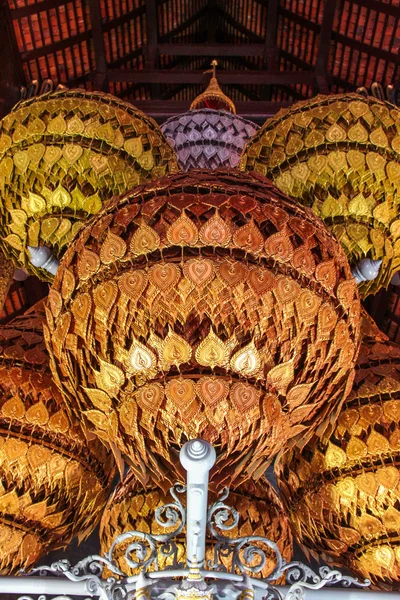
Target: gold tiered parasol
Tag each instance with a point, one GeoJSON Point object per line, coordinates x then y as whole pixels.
{"type": "Point", "coordinates": [61, 156]}
{"type": "Point", "coordinates": [340, 155]}
{"type": "Point", "coordinates": [342, 492]}
{"type": "Point", "coordinates": [54, 480]}
{"type": "Point", "coordinates": [203, 305]}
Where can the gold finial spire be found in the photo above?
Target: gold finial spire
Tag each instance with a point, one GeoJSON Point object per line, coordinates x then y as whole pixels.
{"type": "Point", "coordinates": [194, 587]}
{"type": "Point", "coordinates": [213, 97]}
{"type": "Point", "coordinates": [194, 571]}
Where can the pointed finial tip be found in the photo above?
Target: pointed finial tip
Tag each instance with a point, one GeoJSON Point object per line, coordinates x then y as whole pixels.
{"type": "Point", "coordinates": [213, 97]}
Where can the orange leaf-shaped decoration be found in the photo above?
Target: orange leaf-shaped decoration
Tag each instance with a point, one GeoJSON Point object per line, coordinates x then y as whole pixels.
{"type": "Point", "coordinates": [180, 391]}
{"type": "Point", "coordinates": [144, 241]}
{"type": "Point", "coordinates": [249, 238]}
{"type": "Point", "coordinates": [112, 249]}
{"type": "Point", "coordinates": [281, 376]}
{"type": "Point", "coordinates": [215, 232]}
{"type": "Point", "coordinates": [212, 352]}
{"type": "Point", "coordinates": [183, 232]}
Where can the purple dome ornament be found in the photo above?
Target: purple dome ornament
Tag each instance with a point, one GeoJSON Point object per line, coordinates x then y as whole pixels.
{"type": "Point", "coordinates": [210, 135]}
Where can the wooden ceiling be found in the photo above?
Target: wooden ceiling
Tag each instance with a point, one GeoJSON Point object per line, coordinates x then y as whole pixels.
{"type": "Point", "coordinates": [140, 50]}
{"type": "Point", "coordinates": [154, 53]}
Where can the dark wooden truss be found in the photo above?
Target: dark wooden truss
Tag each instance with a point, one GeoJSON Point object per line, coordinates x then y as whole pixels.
{"type": "Point", "coordinates": [146, 50]}
{"type": "Point", "coordinates": [154, 53]}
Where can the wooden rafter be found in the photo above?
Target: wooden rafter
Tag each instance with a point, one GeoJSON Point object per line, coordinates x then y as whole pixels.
{"type": "Point", "coordinates": [325, 36]}
{"type": "Point", "coordinates": [56, 39]}
{"type": "Point", "coordinates": [253, 37]}
{"type": "Point", "coordinates": [256, 111]}
{"type": "Point", "coordinates": [270, 46]}
{"type": "Point", "coordinates": [197, 77]}
{"type": "Point", "coordinates": [11, 72]}
{"type": "Point", "coordinates": [212, 50]}
{"type": "Point", "coordinates": [98, 44]}
{"type": "Point", "coordinates": [184, 25]}
{"type": "Point", "coordinates": [366, 48]}
{"type": "Point", "coordinates": [33, 9]}
{"type": "Point", "coordinates": [379, 7]}
{"type": "Point", "coordinates": [271, 50]}
{"type": "Point", "coordinates": [152, 40]}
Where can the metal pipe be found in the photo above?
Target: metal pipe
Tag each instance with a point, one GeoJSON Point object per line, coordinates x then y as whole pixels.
{"type": "Point", "coordinates": [197, 457]}
{"type": "Point", "coordinates": [336, 593]}
{"type": "Point", "coordinates": [62, 586]}
{"type": "Point", "coordinates": [42, 257]}
{"type": "Point", "coordinates": [43, 585]}
{"type": "Point", "coordinates": [366, 270]}
{"type": "Point", "coordinates": [164, 579]}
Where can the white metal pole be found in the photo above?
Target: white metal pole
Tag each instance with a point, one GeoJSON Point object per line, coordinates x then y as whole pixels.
{"type": "Point", "coordinates": [44, 585]}
{"type": "Point", "coordinates": [197, 457]}
{"type": "Point", "coordinates": [341, 593]}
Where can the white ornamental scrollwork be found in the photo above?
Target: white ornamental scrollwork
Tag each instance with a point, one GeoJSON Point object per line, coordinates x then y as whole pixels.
{"type": "Point", "coordinates": [42, 597]}
{"type": "Point", "coordinates": [141, 553]}
{"type": "Point", "coordinates": [248, 554]}
{"type": "Point", "coordinates": [89, 570]}
{"type": "Point", "coordinates": [143, 549]}
{"type": "Point", "coordinates": [301, 578]}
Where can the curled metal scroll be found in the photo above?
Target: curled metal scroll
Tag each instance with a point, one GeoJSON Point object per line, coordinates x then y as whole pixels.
{"type": "Point", "coordinates": [144, 548]}
{"type": "Point", "coordinates": [141, 552]}
{"type": "Point", "coordinates": [248, 556]}
{"type": "Point", "coordinates": [89, 570]}
{"type": "Point", "coordinates": [42, 597]}
{"type": "Point", "coordinates": [301, 578]}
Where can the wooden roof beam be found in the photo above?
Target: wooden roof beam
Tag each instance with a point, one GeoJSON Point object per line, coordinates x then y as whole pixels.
{"type": "Point", "coordinates": [150, 51]}
{"type": "Point", "coordinates": [253, 37]}
{"type": "Point", "coordinates": [368, 49]}
{"type": "Point", "coordinates": [285, 12]}
{"type": "Point", "coordinates": [34, 8]}
{"type": "Point", "coordinates": [379, 7]}
{"type": "Point", "coordinates": [256, 111]}
{"type": "Point", "coordinates": [211, 49]}
{"type": "Point", "coordinates": [184, 25]}
{"type": "Point", "coordinates": [179, 76]}
{"type": "Point", "coordinates": [82, 37]}
{"type": "Point", "coordinates": [98, 44]}
{"type": "Point", "coordinates": [270, 47]}
{"type": "Point", "coordinates": [325, 37]}
{"type": "Point", "coordinates": [11, 72]}
{"type": "Point", "coordinates": [124, 18]}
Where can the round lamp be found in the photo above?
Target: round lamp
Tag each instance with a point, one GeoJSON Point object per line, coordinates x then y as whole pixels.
{"type": "Point", "coordinates": [61, 156]}
{"type": "Point", "coordinates": [340, 155]}
{"type": "Point", "coordinates": [342, 492]}
{"type": "Point", "coordinates": [203, 305]}
{"type": "Point", "coordinates": [54, 478]}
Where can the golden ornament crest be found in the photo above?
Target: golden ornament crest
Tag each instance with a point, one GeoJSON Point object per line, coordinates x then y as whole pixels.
{"type": "Point", "coordinates": [213, 97]}
{"type": "Point", "coordinates": [61, 157]}
{"type": "Point", "coordinates": [58, 479]}
{"type": "Point", "coordinates": [340, 156]}
{"type": "Point", "coordinates": [224, 314]}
